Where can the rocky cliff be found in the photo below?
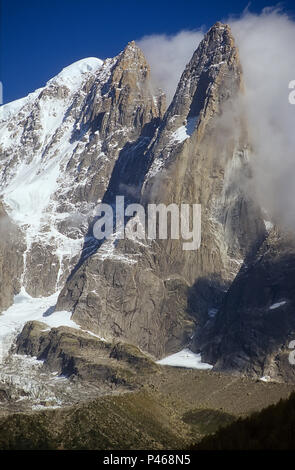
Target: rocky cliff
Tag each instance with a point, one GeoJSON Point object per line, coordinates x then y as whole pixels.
{"type": "Point", "coordinates": [255, 324]}
{"type": "Point", "coordinates": [11, 259]}
{"type": "Point", "coordinates": [99, 130]}
{"type": "Point", "coordinates": [155, 294]}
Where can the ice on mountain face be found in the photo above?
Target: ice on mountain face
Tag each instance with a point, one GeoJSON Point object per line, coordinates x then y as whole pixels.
{"type": "Point", "coordinates": [185, 358]}
{"type": "Point", "coordinates": [277, 305]}
{"type": "Point", "coordinates": [212, 312]}
{"type": "Point", "coordinates": [29, 192]}
{"type": "Point", "coordinates": [180, 134]}
{"type": "Point", "coordinates": [9, 110]}
{"type": "Point", "coordinates": [157, 165]}
{"type": "Point", "coordinates": [71, 77]}
{"type": "Point", "coordinates": [28, 197]}
{"type": "Point", "coordinates": [217, 65]}
{"type": "Point", "coordinates": [265, 378]}
{"type": "Point", "coordinates": [26, 308]}
{"type": "Point", "coordinates": [268, 225]}
{"type": "Point", "coordinates": [185, 131]}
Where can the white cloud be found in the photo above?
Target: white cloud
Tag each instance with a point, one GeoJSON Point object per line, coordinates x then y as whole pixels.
{"type": "Point", "coordinates": [266, 44]}
{"type": "Point", "coordinates": [168, 56]}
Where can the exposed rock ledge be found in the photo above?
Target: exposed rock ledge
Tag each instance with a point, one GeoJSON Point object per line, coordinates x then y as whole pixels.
{"type": "Point", "coordinates": [79, 354]}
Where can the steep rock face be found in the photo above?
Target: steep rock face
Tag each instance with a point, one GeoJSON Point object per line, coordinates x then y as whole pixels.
{"type": "Point", "coordinates": [154, 293]}
{"type": "Point", "coordinates": [119, 108]}
{"type": "Point", "coordinates": [118, 293]}
{"type": "Point", "coordinates": [252, 331]}
{"type": "Point", "coordinates": [203, 157]}
{"type": "Point", "coordinates": [78, 354]}
{"type": "Point", "coordinates": [58, 149]}
{"type": "Point", "coordinates": [11, 259]}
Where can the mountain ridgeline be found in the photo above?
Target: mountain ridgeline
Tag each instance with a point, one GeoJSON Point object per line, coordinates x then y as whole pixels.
{"type": "Point", "coordinates": [98, 130]}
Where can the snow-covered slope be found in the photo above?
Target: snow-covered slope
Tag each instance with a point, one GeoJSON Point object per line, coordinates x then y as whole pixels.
{"type": "Point", "coordinates": [35, 142]}
{"type": "Point", "coordinates": [73, 75]}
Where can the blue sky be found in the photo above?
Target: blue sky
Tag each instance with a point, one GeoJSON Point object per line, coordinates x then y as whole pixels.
{"type": "Point", "coordinates": [39, 38]}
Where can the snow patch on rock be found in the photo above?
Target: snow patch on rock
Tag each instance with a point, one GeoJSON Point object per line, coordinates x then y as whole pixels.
{"type": "Point", "coordinates": [277, 304]}
{"type": "Point", "coordinates": [185, 358]}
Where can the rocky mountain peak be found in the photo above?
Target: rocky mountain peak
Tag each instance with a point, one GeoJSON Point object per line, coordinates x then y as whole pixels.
{"type": "Point", "coordinates": [220, 32]}
{"type": "Point", "coordinates": [213, 73]}
{"type": "Point", "coordinates": [125, 101]}
{"type": "Point", "coordinates": [217, 44]}
{"type": "Point", "coordinates": [156, 293]}
{"type": "Point", "coordinates": [132, 60]}
{"type": "Point", "coordinates": [211, 79]}
{"type": "Point", "coordinates": [133, 51]}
